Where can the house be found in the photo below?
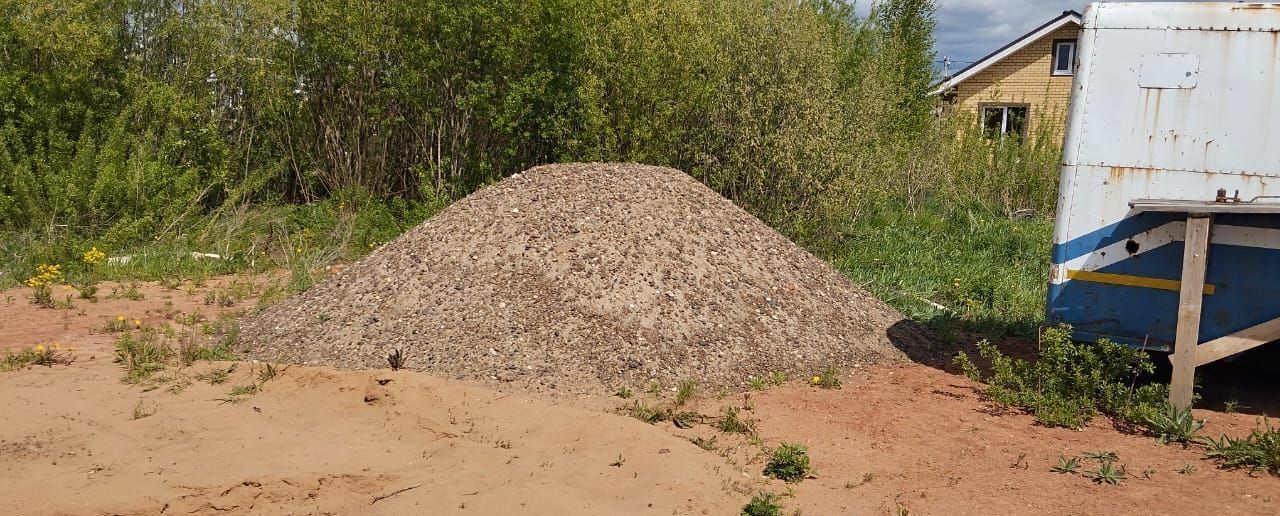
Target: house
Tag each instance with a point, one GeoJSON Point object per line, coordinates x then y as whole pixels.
{"type": "Point", "coordinates": [1022, 88]}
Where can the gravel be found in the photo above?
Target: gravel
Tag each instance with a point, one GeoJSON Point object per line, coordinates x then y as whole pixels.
{"type": "Point", "coordinates": [585, 278]}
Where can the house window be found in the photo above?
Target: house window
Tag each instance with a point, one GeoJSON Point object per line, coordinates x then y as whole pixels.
{"type": "Point", "coordinates": [1000, 120]}
{"type": "Point", "coordinates": [1064, 57]}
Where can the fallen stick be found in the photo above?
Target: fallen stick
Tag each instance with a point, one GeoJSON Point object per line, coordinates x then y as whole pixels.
{"type": "Point", "coordinates": [393, 493]}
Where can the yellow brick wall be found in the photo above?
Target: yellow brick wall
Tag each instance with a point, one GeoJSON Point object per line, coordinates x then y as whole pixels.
{"type": "Point", "coordinates": [1025, 77]}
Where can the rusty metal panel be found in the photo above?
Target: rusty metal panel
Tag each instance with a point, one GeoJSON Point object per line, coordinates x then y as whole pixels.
{"type": "Point", "coordinates": [1170, 101]}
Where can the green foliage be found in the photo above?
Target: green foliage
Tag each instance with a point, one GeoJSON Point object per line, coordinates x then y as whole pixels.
{"type": "Point", "coordinates": [763, 504]}
{"type": "Point", "coordinates": [1107, 473]}
{"type": "Point", "coordinates": [1260, 450]}
{"type": "Point", "coordinates": [685, 390]}
{"type": "Point", "coordinates": [828, 379]}
{"type": "Point", "coordinates": [142, 354]}
{"type": "Point", "coordinates": [1173, 425]}
{"type": "Point", "coordinates": [1070, 382]}
{"type": "Point", "coordinates": [731, 422]}
{"type": "Point", "coordinates": [788, 462]}
{"type": "Point", "coordinates": [645, 412]}
{"type": "Point", "coordinates": [1066, 465]}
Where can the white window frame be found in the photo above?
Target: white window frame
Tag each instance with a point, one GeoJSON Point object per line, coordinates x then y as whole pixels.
{"type": "Point", "coordinates": [1004, 117]}
{"type": "Point", "coordinates": [1071, 62]}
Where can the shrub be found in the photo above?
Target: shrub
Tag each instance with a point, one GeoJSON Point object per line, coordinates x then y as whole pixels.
{"type": "Point", "coordinates": [763, 504]}
{"type": "Point", "coordinates": [1070, 382]}
{"type": "Point", "coordinates": [789, 462]}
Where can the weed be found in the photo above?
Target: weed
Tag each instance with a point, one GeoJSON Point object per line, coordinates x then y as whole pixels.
{"type": "Point", "coordinates": [1148, 473]}
{"type": "Point", "coordinates": [1186, 469]}
{"type": "Point", "coordinates": [1173, 425]}
{"type": "Point", "coordinates": [1066, 465]}
{"type": "Point", "coordinates": [129, 292]}
{"type": "Point", "coordinates": [763, 504]}
{"type": "Point", "coordinates": [1102, 456]}
{"type": "Point", "coordinates": [756, 383]}
{"type": "Point", "coordinates": [268, 373]}
{"type": "Point", "coordinates": [1020, 462]}
{"type": "Point", "coordinates": [685, 390]}
{"type": "Point", "coordinates": [1260, 450]}
{"type": "Point", "coordinates": [118, 324]}
{"type": "Point", "coordinates": [731, 423]}
{"type": "Point", "coordinates": [686, 419]}
{"type": "Point", "coordinates": [210, 298]}
{"type": "Point", "coordinates": [396, 359]}
{"type": "Point", "coordinates": [829, 379]}
{"type": "Point", "coordinates": [705, 444]}
{"type": "Point", "coordinates": [1107, 473]}
{"type": "Point", "coordinates": [190, 351]}
{"type": "Point", "coordinates": [617, 463]}
{"type": "Point", "coordinates": [141, 355]}
{"type": "Point", "coordinates": [623, 392]}
{"type": "Point", "coordinates": [777, 377]}
{"type": "Point", "coordinates": [1231, 406]}
{"type": "Point", "coordinates": [789, 462]}
{"type": "Point", "coordinates": [39, 354]}
{"type": "Point", "coordinates": [645, 412]}
{"type": "Point", "coordinates": [244, 390]}
{"type": "Point", "coordinates": [140, 411]}
{"type": "Point", "coordinates": [217, 376]}
{"type": "Point", "coordinates": [1070, 382]}
{"type": "Point", "coordinates": [654, 389]}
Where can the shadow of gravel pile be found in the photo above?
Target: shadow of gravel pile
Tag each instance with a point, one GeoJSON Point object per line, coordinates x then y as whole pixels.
{"type": "Point", "coordinates": [586, 277]}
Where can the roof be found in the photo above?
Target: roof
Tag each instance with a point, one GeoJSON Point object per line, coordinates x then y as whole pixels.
{"type": "Point", "coordinates": [1064, 19]}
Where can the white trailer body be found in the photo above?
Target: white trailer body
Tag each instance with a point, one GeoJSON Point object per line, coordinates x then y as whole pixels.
{"type": "Point", "coordinates": [1172, 103]}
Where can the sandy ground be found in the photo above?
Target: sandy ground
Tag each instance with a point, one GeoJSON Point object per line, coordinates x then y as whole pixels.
{"type": "Point", "coordinates": [322, 441]}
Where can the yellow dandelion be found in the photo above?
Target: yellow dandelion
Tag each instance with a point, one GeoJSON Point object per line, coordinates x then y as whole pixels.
{"type": "Point", "coordinates": [40, 348]}
{"type": "Point", "coordinates": [816, 379]}
{"type": "Point", "coordinates": [119, 318]}
{"type": "Point", "coordinates": [137, 322]}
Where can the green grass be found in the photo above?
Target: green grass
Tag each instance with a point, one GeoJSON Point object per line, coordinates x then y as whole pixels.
{"type": "Point", "coordinates": [989, 273]}
{"type": "Point", "coordinates": [789, 462]}
{"type": "Point", "coordinates": [763, 504]}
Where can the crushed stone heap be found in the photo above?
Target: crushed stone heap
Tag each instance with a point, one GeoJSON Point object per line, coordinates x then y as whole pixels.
{"type": "Point", "coordinates": [585, 278]}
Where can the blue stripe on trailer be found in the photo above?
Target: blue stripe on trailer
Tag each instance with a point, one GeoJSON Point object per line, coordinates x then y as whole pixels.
{"type": "Point", "coordinates": [1128, 314]}
{"type": "Point", "coordinates": [1110, 234]}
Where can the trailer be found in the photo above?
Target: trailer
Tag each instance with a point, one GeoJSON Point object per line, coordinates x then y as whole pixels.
{"type": "Point", "coordinates": [1167, 234]}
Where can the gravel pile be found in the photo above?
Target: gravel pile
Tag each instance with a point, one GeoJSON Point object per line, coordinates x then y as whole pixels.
{"type": "Point", "coordinates": [584, 278]}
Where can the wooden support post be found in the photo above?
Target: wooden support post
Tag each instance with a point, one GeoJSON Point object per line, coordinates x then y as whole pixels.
{"type": "Point", "coordinates": [1194, 262]}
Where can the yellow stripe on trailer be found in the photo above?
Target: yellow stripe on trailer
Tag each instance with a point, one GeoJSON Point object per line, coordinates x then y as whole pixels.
{"type": "Point", "coordinates": [1131, 281]}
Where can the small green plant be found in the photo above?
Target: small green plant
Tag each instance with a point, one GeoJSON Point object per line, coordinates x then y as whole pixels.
{"type": "Point", "coordinates": [1173, 425]}
{"type": "Point", "coordinates": [645, 412]}
{"type": "Point", "coordinates": [757, 384]}
{"type": "Point", "coordinates": [617, 463]}
{"type": "Point", "coordinates": [217, 376]}
{"type": "Point", "coordinates": [763, 504]}
{"type": "Point", "coordinates": [142, 354]}
{"type": "Point", "coordinates": [777, 377]}
{"type": "Point", "coordinates": [686, 419]}
{"type": "Point", "coordinates": [396, 359]}
{"type": "Point", "coordinates": [1102, 456]}
{"type": "Point", "coordinates": [268, 373]}
{"type": "Point", "coordinates": [704, 443]}
{"type": "Point", "coordinates": [653, 389]}
{"type": "Point", "coordinates": [1186, 469]}
{"type": "Point", "coordinates": [39, 354]}
{"type": "Point", "coordinates": [623, 392]}
{"type": "Point", "coordinates": [828, 379]}
{"type": "Point", "coordinates": [1070, 382]}
{"type": "Point", "coordinates": [1107, 473]}
{"type": "Point", "coordinates": [789, 462]}
{"type": "Point", "coordinates": [244, 390]}
{"type": "Point", "coordinates": [731, 423]}
{"type": "Point", "coordinates": [1231, 406]}
{"type": "Point", "coordinates": [1066, 465]}
{"type": "Point", "coordinates": [685, 390]}
{"type": "Point", "coordinates": [1258, 451]}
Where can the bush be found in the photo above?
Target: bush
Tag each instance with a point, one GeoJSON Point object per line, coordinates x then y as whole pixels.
{"type": "Point", "coordinates": [763, 504]}
{"type": "Point", "coordinates": [1070, 382]}
{"type": "Point", "coordinates": [789, 462]}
